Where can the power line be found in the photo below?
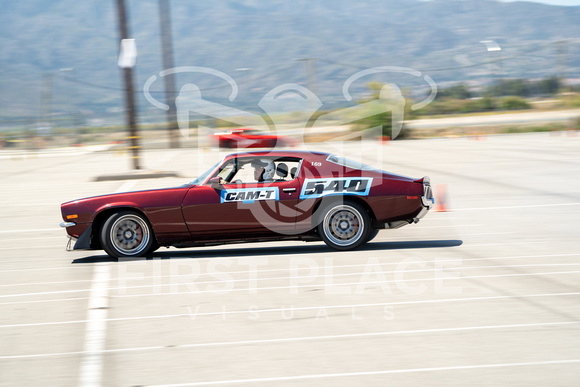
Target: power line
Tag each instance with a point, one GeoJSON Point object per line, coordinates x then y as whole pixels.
{"type": "Point", "coordinates": [119, 89]}
{"type": "Point", "coordinates": [502, 59]}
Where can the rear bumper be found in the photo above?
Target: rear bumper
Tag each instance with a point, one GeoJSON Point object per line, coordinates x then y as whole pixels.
{"type": "Point", "coordinates": [427, 200]}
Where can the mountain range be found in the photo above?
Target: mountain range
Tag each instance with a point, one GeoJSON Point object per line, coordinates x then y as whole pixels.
{"type": "Point", "coordinates": [61, 56]}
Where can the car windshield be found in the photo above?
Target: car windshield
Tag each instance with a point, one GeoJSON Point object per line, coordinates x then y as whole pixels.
{"type": "Point", "coordinates": [204, 175]}
{"type": "Point", "coordinates": [348, 163]}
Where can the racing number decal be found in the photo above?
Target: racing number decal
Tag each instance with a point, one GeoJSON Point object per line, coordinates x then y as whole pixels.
{"type": "Point", "coordinates": [315, 188]}
{"type": "Point", "coordinates": [248, 195]}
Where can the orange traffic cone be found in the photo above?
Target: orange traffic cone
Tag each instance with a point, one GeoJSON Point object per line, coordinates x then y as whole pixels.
{"type": "Point", "coordinates": [480, 136]}
{"type": "Point", "coordinates": [441, 198]}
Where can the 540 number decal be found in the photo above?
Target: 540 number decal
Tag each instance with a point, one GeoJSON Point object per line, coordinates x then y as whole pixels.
{"type": "Point", "coordinates": [315, 188]}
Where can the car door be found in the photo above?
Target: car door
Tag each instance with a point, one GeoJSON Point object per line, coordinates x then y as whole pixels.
{"type": "Point", "coordinates": [242, 209]}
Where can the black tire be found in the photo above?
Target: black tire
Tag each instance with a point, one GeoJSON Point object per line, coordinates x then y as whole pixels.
{"type": "Point", "coordinates": [127, 234]}
{"type": "Point", "coordinates": [344, 225]}
{"type": "Point", "coordinates": [154, 247]}
{"type": "Point", "coordinates": [372, 234]}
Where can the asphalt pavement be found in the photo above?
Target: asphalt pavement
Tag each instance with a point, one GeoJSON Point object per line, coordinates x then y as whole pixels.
{"type": "Point", "coordinates": [503, 118]}
{"type": "Point", "coordinates": [484, 291]}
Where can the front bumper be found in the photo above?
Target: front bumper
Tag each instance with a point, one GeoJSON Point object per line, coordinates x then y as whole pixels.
{"type": "Point", "coordinates": [83, 242]}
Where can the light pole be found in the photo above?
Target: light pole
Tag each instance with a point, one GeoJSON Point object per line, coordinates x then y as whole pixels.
{"type": "Point", "coordinates": [493, 46]}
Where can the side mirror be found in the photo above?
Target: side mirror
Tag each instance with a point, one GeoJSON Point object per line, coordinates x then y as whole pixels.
{"type": "Point", "coordinates": [216, 182]}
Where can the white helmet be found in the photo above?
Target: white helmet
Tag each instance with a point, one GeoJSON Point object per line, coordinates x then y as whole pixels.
{"type": "Point", "coordinates": [269, 170]}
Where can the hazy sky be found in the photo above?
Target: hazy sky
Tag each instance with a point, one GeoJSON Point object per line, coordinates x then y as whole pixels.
{"type": "Point", "coordinates": [554, 2]}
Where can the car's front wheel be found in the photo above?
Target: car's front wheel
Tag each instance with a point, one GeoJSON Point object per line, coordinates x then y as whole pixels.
{"type": "Point", "coordinates": [344, 226]}
{"type": "Point", "coordinates": [127, 234]}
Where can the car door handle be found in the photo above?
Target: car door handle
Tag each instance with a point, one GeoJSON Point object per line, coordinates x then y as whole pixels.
{"type": "Point", "coordinates": [289, 190]}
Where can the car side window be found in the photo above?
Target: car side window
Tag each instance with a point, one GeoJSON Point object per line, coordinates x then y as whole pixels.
{"type": "Point", "coordinates": [251, 170]}
{"type": "Point", "coordinates": [226, 170]}
{"type": "Point", "coordinates": [245, 174]}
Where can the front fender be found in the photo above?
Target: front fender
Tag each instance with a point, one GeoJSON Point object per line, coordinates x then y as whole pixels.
{"type": "Point", "coordinates": [120, 205]}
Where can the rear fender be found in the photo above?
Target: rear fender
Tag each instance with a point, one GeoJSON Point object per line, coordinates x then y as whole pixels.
{"type": "Point", "coordinates": [327, 200]}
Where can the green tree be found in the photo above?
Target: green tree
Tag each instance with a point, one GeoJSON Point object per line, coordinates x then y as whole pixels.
{"type": "Point", "coordinates": [456, 92]}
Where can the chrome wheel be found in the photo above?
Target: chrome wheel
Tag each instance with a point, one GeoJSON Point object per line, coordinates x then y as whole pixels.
{"type": "Point", "coordinates": [126, 234]}
{"type": "Point", "coordinates": [344, 226]}
{"type": "Point", "coordinates": [130, 234]}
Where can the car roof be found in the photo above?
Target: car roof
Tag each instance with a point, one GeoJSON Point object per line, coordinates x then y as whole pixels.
{"type": "Point", "coordinates": [278, 153]}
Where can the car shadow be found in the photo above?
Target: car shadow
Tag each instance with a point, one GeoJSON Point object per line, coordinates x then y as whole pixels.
{"type": "Point", "coordinates": [316, 248]}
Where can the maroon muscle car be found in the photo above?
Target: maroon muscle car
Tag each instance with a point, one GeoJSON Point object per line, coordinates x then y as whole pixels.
{"type": "Point", "coordinates": [253, 197]}
{"type": "Point", "coordinates": [251, 138]}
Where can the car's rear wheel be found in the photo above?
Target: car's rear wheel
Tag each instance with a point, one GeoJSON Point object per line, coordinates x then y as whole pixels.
{"type": "Point", "coordinates": [127, 234]}
{"type": "Point", "coordinates": [344, 225]}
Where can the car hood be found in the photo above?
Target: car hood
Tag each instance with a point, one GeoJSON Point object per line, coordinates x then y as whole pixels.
{"type": "Point", "coordinates": [85, 209]}
{"type": "Point", "coordinates": [119, 195]}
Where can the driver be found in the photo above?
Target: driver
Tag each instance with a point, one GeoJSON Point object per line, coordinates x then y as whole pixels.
{"type": "Point", "coordinates": [264, 170]}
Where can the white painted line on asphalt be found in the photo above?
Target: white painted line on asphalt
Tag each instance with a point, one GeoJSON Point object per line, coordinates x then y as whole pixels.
{"type": "Point", "coordinates": [91, 370]}
{"type": "Point", "coordinates": [45, 293]}
{"type": "Point", "coordinates": [450, 226]}
{"type": "Point", "coordinates": [515, 207]}
{"type": "Point", "coordinates": [306, 338]}
{"type": "Point", "coordinates": [488, 233]}
{"type": "Point", "coordinates": [323, 285]}
{"type": "Point", "coordinates": [278, 310]}
{"type": "Point", "coordinates": [469, 244]}
{"type": "Point", "coordinates": [369, 373]}
{"type": "Point", "coordinates": [279, 287]}
{"type": "Point", "coordinates": [44, 301]}
{"type": "Point", "coordinates": [26, 204]}
{"type": "Point", "coordinates": [28, 240]}
{"type": "Point", "coordinates": [76, 267]}
{"type": "Point", "coordinates": [400, 238]}
{"type": "Point", "coordinates": [55, 152]}
{"type": "Point", "coordinates": [333, 275]}
{"type": "Point", "coordinates": [30, 230]}
{"type": "Point", "coordinates": [138, 261]}
{"type": "Point", "coordinates": [92, 361]}
{"type": "Point", "coordinates": [46, 283]}
{"type": "Point", "coordinates": [324, 268]}
{"type": "Point", "coordinates": [37, 247]}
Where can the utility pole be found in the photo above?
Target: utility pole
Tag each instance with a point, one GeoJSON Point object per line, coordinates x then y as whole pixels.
{"type": "Point", "coordinates": [493, 46]}
{"type": "Point", "coordinates": [563, 65]}
{"type": "Point", "coordinates": [46, 94]}
{"type": "Point", "coordinates": [126, 65]}
{"type": "Point", "coordinates": [167, 50]}
{"type": "Point", "coordinates": [311, 78]}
